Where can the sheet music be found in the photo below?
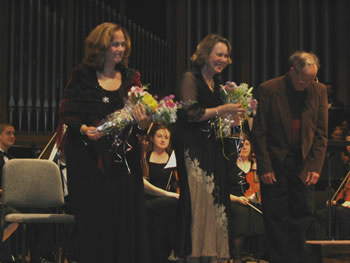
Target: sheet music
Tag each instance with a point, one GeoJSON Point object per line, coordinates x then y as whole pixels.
{"type": "Point", "coordinates": [172, 161]}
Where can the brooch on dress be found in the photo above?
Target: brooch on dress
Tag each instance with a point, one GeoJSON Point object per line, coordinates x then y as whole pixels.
{"type": "Point", "coordinates": [105, 100]}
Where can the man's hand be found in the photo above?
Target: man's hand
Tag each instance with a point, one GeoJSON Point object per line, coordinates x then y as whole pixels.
{"type": "Point", "coordinates": [268, 178]}
{"type": "Point", "coordinates": [312, 178]}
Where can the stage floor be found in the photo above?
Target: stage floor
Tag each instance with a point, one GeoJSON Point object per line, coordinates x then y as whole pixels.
{"type": "Point", "coordinates": [328, 251]}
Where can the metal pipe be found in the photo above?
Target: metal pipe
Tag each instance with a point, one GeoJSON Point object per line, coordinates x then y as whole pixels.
{"type": "Point", "coordinates": [38, 68]}
{"type": "Point", "coordinates": [11, 102]}
{"type": "Point", "coordinates": [46, 67]}
{"type": "Point", "coordinates": [20, 102]}
{"type": "Point", "coordinates": [53, 74]}
{"type": "Point", "coordinates": [29, 103]}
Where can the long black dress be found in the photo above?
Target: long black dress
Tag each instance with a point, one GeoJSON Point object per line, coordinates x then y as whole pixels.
{"type": "Point", "coordinates": [203, 173]}
{"type": "Point", "coordinates": [107, 200]}
{"type": "Point", "coordinates": [245, 220]}
{"type": "Point", "coordinates": [161, 214]}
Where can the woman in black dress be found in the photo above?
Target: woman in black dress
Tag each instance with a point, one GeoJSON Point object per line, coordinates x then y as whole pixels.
{"type": "Point", "coordinates": [162, 197]}
{"type": "Point", "coordinates": [203, 170]}
{"type": "Point", "coordinates": [105, 182]}
{"type": "Point", "coordinates": [246, 222]}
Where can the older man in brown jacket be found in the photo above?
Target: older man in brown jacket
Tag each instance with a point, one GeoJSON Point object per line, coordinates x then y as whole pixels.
{"type": "Point", "coordinates": [290, 140]}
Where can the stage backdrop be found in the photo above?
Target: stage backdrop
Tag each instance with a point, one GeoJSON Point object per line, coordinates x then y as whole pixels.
{"type": "Point", "coordinates": [43, 39]}
{"type": "Point", "coordinates": [263, 34]}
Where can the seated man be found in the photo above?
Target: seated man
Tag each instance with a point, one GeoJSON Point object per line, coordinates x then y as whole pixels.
{"type": "Point", "coordinates": [7, 139]}
{"type": "Point", "coordinates": [340, 216]}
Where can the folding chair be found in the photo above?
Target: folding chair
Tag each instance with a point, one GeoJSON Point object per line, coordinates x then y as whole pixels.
{"type": "Point", "coordinates": [33, 184]}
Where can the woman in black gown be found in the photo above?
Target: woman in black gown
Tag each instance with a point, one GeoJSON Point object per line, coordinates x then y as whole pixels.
{"type": "Point", "coordinates": [246, 222]}
{"type": "Point", "coordinates": [203, 170]}
{"type": "Point", "coordinates": [162, 196]}
{"type": "Point", "coordinates": [106, 189]}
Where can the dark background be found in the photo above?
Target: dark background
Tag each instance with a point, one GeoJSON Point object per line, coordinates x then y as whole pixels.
{"type": "Point", "coordinates": [263, 33]}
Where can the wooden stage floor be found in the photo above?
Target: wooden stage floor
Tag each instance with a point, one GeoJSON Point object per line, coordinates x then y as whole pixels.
{"type": "Point", "coordinates": [328, 251]}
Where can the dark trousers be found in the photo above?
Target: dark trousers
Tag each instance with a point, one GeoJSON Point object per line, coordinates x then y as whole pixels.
{"type": "Point", "coordinates": [288, 212]}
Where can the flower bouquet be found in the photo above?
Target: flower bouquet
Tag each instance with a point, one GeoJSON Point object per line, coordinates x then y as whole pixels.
{"type": "Point", "coordinates": [166, 110]}
{"type": "Point", "coordinates": [236, 94]}
{"type": "Point", "coordinates": [115, 122]}
{"type": "Point", "coordinates": [163, 111]}
{"type": "Point", "coordinates": [242, 94]}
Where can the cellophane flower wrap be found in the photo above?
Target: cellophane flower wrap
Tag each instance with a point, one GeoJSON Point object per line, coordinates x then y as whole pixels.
{"type": "Point", "coordinates": [236, 94]}
{"type": "Point", "coordinates": [163, 111]}
{"type": "Point", "coordinates": [115, 122]}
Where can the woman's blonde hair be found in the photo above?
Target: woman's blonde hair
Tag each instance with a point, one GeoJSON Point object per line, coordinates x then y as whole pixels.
{"type": "Point", "coordinates": [204, 48]}
{"type": "Point", "coordinates": [99, 40]}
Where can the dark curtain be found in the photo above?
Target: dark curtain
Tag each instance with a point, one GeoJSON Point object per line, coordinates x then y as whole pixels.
{"type": "Point", "coordinates": [263, 34]}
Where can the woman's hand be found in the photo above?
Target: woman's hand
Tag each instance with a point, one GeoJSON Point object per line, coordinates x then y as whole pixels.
{"type": "Point", "coordinates": [234, 110]}
{"type": "Point", "coordinates": [239, 199]}
{"type": "Point", "coordinates": [141, 117]}
{"type": "Point", "coordinates": [172, 195]}
{"type": "Point", "coordinates": [91, 132]}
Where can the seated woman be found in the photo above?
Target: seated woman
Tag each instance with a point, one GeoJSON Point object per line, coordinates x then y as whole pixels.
{"type": "Point", "coordinates": [246, 220]}
{"type": "Point", "coordinates": [160, 187]}
{"type": "Point", "coordinates": [345, 155]}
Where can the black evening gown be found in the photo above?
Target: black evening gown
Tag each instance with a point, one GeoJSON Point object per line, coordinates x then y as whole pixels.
{"type": "Point", "coordinates": [161, 214]}
{"type": "Point", "coordinates": [106, 192]}
{"type": "Point", "coordinates": [203, 173]}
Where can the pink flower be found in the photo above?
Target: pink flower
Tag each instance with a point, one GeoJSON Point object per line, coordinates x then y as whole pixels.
{"type": "Point", "coordinates": [230, 85]}
{"type": "Point", "coordinates": [170, 104]}
{"type": "Point", "coordinates": [253, 104]}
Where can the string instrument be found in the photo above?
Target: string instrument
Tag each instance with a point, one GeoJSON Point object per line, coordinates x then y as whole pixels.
{"type": "Point", "coordinates": [343, 192]}
{"type": "Point", "coordinates": [172, 174]}
{"type": "Point", "coordinates": [253, 192]}
{"type": "Point", "coordinates": [144, 164]}
{"type": "Point", "coordinates": [50, 149]}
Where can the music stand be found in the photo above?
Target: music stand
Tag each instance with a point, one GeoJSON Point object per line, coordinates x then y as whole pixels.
{"type": "Point", "coordinates": [170, 165]}
{"type": "Point", "coordinates": [332, 146]}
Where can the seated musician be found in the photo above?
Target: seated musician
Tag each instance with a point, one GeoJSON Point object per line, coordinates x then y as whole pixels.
{"type": "Point", "coordinates": [7, 140]}
{"type": "Point", "coordinates": [247, 221]}
{"type": "Point", "coordinates": [160, 187]}
{"type": "Point", "coordinates": [340, 210]}
{"type": "Point", "coordinates": [340, 215]}
{"type": "Point", "coordinates": [345, 155]}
